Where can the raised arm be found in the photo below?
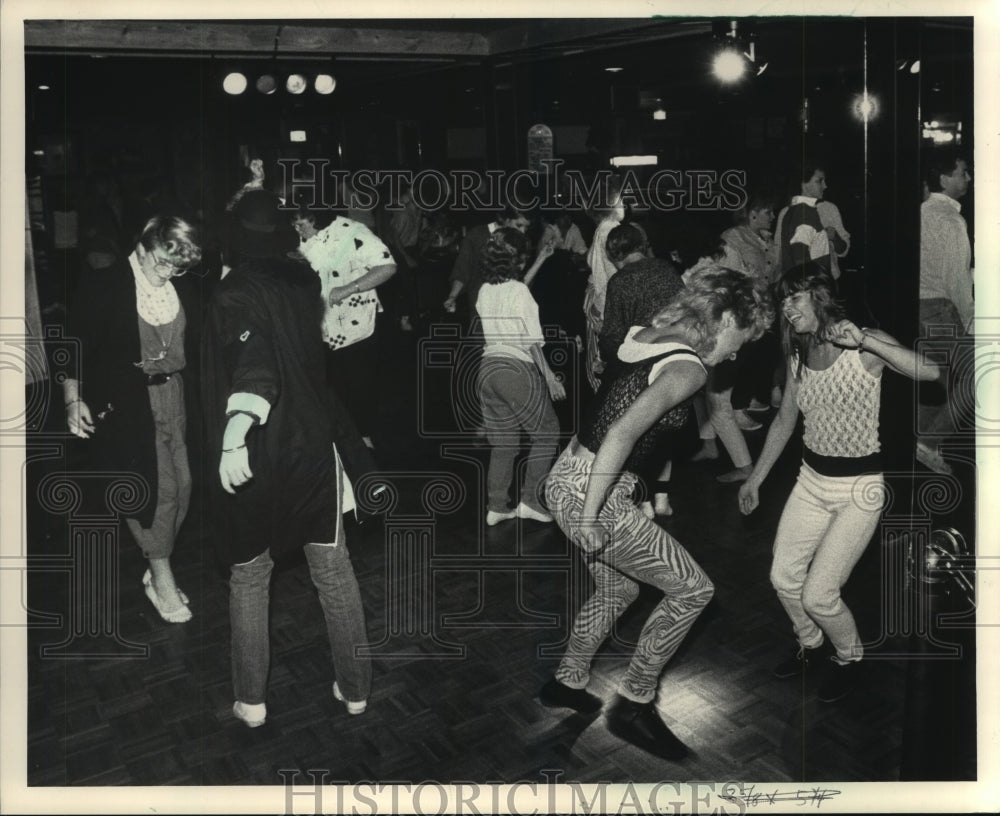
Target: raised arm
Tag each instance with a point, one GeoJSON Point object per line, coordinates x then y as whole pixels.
{"type": "Point", "coordinates": [544, 253]}
{"type": "Point", "coordinates": [882, 350]}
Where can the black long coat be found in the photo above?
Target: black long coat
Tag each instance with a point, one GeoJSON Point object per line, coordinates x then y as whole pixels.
{"type": "Point", "coordinates": [103, 329]}
{"type": "Point", "coordinates": [262, 337]}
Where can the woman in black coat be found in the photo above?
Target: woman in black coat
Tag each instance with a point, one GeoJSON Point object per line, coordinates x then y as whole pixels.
{"type": "Point", "coordinates": [270, 418]}
{"type": "Point", "coordinates": [129, 398]}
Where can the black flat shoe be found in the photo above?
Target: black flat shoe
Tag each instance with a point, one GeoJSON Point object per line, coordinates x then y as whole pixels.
{"type": "Point", "coordinates": [640, 725]}
{"type": "Point", "coordinates": [558, 695]}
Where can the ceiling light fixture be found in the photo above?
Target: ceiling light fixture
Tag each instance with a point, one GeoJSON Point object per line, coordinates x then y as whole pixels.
{"type": "Point", "coordinates": [234, 83]}
{"type": "Point", "coordinates": [324, 84]}
{"type": "Point", "coordinates": [614, 69]}
{"type": "Point", "coordinates": [266, 84]}
{"type": "Point", "coordinates": [736, 55]}
{"type": "Point", "coordinates": [865, 107]}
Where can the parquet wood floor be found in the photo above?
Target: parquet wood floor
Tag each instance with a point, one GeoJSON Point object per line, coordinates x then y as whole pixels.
{"type": "Point", "coordinates": [455, 681]}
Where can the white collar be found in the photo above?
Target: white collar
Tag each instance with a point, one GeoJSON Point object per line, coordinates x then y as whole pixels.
{"type": "Point", "coordinates": [800, 199]}
{"type": "Point", "coordinates": [942, 197]}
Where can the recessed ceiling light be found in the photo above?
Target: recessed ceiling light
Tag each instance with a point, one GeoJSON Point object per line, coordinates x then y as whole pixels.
{"type": "Point", "coordinates": [266, 84]}
{"type": "Point", "coordinates": [614, 69]}
{"type": "Point", "coordinates": [324, 84]}
{"type": "Point", "coordinates": [234, 83]}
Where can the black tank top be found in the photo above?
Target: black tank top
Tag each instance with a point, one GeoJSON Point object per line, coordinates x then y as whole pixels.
{"type": "Point", "coordinates": [616, 396]}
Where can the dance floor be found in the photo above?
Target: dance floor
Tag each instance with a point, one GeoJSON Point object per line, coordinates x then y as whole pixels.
{"type": "Point", "coordinates": [466, 623]}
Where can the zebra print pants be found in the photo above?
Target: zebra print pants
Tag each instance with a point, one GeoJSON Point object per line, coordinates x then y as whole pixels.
{"type": "Point", "coordinates": [639, 550]}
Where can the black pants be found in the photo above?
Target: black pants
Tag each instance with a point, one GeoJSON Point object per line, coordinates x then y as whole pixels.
{"type": "Point", "coordinates": [349, 372]}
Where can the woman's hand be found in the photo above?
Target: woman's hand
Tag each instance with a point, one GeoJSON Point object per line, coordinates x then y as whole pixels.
{"type": "Point", "coordinates": [234, 468]}
{"type": "Point", "coordinates": [449, 304]}
{"type": "Point", "coordinates": [845, 333]}
{"type": "Point", "coordinates": [556, 389]}
{"type": "Point", "coordinates": [78, 419]}
{"type": "Point", "coordinates": [748, 498]}
{"type": "Point", "coordinates": [340, 293]}
{"type": "Point", "coordinates": [545, 250]}
{"type": "Point", "coordinates": [591, 536]}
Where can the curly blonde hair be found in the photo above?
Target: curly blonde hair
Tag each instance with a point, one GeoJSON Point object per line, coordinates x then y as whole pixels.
{"type": "Point", "coordinates": [710, 293]}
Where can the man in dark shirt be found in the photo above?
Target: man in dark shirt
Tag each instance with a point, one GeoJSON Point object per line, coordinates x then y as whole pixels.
{"type": "Point", "coordinates": [465, 274]}
{"type": "Point", "coordinates": [642, 286]}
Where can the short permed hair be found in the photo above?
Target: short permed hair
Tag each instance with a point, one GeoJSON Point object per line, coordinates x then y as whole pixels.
{"type": "Point", "coordinates": [174, 237]}
{"type": "Point", "coordinates": [504, 256]}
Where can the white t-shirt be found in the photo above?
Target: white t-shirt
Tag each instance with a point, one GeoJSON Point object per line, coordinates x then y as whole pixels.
{"type": "Point", "coordinates": [509, 318]}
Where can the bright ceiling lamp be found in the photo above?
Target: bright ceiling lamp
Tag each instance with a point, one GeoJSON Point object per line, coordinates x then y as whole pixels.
{"type": "Point", "coordinates": [234, 83]}
{"type": "Point", "coordinates": [324, 84]}
{"type": "Point", "coordinates": [736, 56]}
{"type": "Point", "coordinates": [296, 84]}
{"type": "Point", "coordinates": [865, 106]}
{"type": "Point", "coordinates": [729, 65]}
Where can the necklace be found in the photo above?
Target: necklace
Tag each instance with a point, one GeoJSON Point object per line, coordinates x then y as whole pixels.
{"type": "Point", "coordinates": [158, 307]}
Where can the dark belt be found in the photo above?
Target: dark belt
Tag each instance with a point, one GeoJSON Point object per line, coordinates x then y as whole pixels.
{"type": "Point", "coordinates": [836, 466]}
{"type": "Point", "coordinates": [160, 379]}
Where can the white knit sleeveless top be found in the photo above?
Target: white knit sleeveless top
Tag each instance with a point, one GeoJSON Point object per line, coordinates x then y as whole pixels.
{"type": "Point", "coordinates": [840, 407]}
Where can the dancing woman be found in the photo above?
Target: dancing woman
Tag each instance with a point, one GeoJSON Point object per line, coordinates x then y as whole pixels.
{"type": "Point", "coordinates": [834, 379]}
{"type": "Point", "coordinates": [516, 385]}
{"type": "Point", "coordinates": [131, 325]}
{"type": "Point", "coordinates": [589, 493]}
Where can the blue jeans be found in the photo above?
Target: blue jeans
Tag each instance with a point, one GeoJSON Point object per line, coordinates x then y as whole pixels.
{"type": "Point", "coordinates": [939, 405]}
{"type": "Point", "coordinates": [515, 399]}
{"type": "Point", "coordinates": [339, 596]}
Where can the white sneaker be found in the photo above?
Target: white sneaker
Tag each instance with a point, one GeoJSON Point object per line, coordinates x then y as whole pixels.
{"type": "Point", "coordinates": [523, 511]}
{"type": "Point", "coordinates": [932, 458]}
{"type": "Point", "coordinates": [745, 422]}
{"type": "Point", "coordinates": [493, 518]}
{"type": "Point", "coordinates": [253, 716]}
{"type": "Point", "coordinates": [352, 707]}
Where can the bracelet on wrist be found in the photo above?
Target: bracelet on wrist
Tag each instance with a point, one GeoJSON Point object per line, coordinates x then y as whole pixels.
{"type": "Point", "coordinates": [231, 450]}
{"type": "Point", "coordinates": [72, 401]}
